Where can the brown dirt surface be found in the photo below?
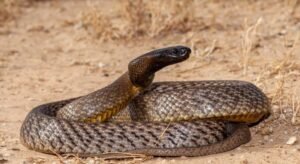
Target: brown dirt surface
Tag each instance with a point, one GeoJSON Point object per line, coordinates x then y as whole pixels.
{"type": "Point", "coordinates": [53, 50]}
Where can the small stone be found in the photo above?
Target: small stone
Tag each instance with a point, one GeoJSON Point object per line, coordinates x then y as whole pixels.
{"type": "Point", "coordinates": [91, 161]}
{"type": "Point", "coordinates": [6, 154]}
{"type": "Point", "coordinates": [101, 65]}
{"type": "Point", "coordinates": [292, 140]}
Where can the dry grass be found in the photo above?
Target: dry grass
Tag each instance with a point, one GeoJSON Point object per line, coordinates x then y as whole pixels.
{"type": "Point", "coordinates": [248, 43]}
{"type": "Point", "coordinates": [10, 9]}
{"type": "Point", "coordinates": [295, 102]}
{"type": "Point", "coordinates": [276, 81]}
{"type": "Point", "coordinates": [99, 26]}
{"type": "Point", "coordinates": [142, 19]}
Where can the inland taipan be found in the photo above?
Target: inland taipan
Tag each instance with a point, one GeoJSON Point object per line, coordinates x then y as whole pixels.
{"type": "Point", "coordinates": [136, 115]}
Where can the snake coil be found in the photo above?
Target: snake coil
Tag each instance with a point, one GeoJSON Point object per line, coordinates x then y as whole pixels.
{"type": "Point", "coordinates": [161, 119]}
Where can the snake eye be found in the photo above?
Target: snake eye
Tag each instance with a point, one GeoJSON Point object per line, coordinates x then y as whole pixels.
{"type": "Point", "coordinates": [185, 50]}
{"type": "Point", "coordinates": [175, 51]}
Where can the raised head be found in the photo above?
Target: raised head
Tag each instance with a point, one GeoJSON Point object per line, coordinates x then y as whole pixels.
{"type": "Point", "coordinates": [143, 68]}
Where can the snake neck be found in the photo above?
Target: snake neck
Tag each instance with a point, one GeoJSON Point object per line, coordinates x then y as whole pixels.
{"type": "Point", "coordinates": [102, 104]}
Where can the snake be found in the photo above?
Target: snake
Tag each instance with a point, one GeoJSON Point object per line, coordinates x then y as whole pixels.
{"type": "Point", "coordinates": [133, 114]}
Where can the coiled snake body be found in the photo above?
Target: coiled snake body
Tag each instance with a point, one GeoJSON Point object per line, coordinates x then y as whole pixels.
{"type": "Point", "coordinates": [135, 115]}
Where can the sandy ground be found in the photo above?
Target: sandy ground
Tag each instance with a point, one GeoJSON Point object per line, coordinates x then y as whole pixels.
{"type": "Point", "coordinates": [46, 55]}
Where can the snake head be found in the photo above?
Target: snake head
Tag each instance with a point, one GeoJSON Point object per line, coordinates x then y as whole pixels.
{"type": "Point", "coordinates": [143, 68]}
